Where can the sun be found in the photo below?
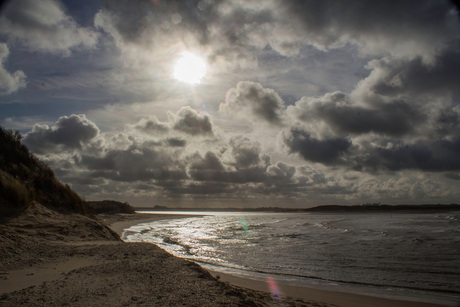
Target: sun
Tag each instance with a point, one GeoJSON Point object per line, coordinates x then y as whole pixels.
{"type": "Point", "coordinates": [189, 68]}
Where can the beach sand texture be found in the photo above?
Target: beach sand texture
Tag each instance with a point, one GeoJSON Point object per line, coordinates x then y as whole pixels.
{"type": "Point", "coordinates": [50, 259]}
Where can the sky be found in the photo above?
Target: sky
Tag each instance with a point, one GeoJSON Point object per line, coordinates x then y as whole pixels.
{"type": "Point", "coordinates": [300, 103]}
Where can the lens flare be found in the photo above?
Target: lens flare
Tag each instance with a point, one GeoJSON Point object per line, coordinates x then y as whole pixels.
{"type": "Point", "coordinates": [274, 290]}
{"type": "Point", "coordinates": [245, 226]}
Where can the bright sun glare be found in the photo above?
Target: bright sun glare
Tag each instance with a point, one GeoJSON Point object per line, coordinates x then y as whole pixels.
{"type": "Point", "coordinates": [189, 68]}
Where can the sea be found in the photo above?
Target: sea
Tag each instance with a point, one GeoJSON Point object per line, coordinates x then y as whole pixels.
{"type": "Point", "coordinates": [410, 256]}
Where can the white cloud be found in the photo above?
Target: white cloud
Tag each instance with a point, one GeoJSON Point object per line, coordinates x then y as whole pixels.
{"type": "Point", "coordinates": [9, 82]}
{"type": "Point", "coordinates": [43, 25]}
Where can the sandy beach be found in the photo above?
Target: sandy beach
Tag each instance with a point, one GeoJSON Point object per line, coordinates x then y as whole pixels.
{"type": "Point", "coordinates": [47, 260]}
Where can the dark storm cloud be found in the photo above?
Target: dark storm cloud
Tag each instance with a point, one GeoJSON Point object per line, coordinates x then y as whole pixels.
{"type": "Point", "coordinates": [433, 156]}
{"type": "Point", "coordinates": [245, 163]}
{"type": "Point", "coordinates": [191, 122]}
{"type": "Point", "coordinates": [394, 118]}
{"type": "Point", "coordinates": [72, 132]}
{"type": "Point", "coordinates": [209, 162]}
{"type": "Point", "coordinates": [9, 82]}
{"type": "Point", "coordinates": [251, 99]}
{"type": "Point", "coordinates": [447, 123]}
{"type": "Point", "coordinates": [245, 152]}
{"type": "Point", "coordinates": [43, 25]}
{"type": "Point", "coordinates": [196, 189]}
{"type": "Point", "coordinates": [392, 77]}
{"type": "Point", "coordinates": [136, 163]}
{"type": "Point", "coordinates": [328, 151]}
{"type": "Point", "coordinates": [211, 168]}
{"type": "Point", "coordinates": [176, 142]}
{"type": "Point", "coordinates": [207, 168]}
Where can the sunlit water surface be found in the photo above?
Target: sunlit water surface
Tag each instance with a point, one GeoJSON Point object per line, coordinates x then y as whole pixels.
{"type": "Point", "coordinates": [415, 256]}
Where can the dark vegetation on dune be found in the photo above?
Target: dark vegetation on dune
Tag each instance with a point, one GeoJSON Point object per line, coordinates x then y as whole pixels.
{"type": "Point", "coordinates": [36, 208]}
{"type": "Point", "coordinates": [25, 180]}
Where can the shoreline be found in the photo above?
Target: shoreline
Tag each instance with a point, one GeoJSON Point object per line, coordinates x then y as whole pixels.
{"type": "Point", "coordinates": [332, 297]}
{"type": "Point", "coordinates": [343, 299]}
{"type": "Point", "coordinates": [140, 218]}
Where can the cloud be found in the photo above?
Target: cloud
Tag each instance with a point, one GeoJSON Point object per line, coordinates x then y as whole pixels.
{"type": "Point", "coordinates": [70, 132]}
{"type": "Point", "coordinates": [425, 155]}
{"type": "Point", "coordinates": [176, 142]}
{"type": "Point", "coordinates": [191, 122]}
{"type": "Point", "coordinates": [209, 162]}
{"type": "Point", "coordinates": [377, 27]}
{"type": "Point", "coordinates": [186, 121]}
{"type": "Point", "coordinates": [43, 25]}
{"type": "Point", "coordinates": [390, 77]}
{"type": "Point", "coordinates": [139, 162]}
{"type": "Point", "coordinates": [140, 22]}
{"type": "Point", "coordinates": [251, 99]}
{"type": "Point", "coordinates": [245, 152]}
{"type": "Point", "coordinates": [161, 162]}
{"type": "Point", "coordinates": [233, 34]}
{"type": "Point", "coordinates": [9, 82]}
{"type": "Point", "coordinates": [336, 112]}
{"type": "Point", "coordinates": [213, 168]}
{"type": "Point", "coordinates": [328, 151]}
{"type": "Point", "coordinates": [150, 35]}
{"type": "Point", "coordinates": [281, 172]}
{"type": "Point", "coordinates": [207, 168]}
{"type": "Point", "coordinates": [152, 125]}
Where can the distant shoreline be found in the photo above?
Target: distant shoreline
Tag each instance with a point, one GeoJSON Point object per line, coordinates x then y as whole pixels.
{"type": "Point", "coordinates": [366, 208]}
